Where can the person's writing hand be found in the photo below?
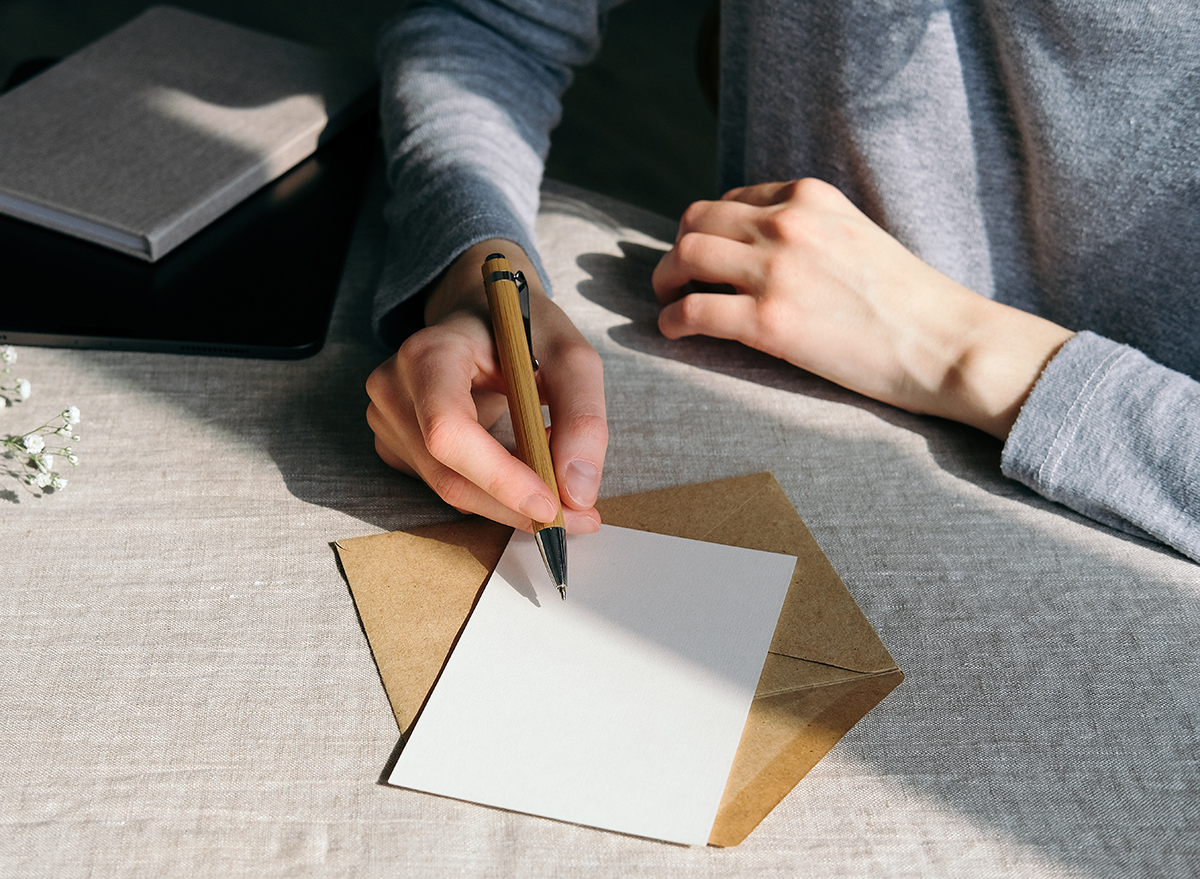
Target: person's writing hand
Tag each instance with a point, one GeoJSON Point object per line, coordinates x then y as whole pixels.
{"type": "Point", "coordinates": [818, 284]}
{"type": "Point", "coordinates": [432, 402]}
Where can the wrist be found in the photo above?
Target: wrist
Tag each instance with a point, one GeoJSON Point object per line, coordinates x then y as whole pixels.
{"type": "Point", "coordinates": [1001, 353]}
{"type": "Point", "coordinates": [460, 287]}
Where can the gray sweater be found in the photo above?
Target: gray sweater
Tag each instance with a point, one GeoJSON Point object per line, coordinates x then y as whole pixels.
{"type": "Point", "coordinates": [1044, 153]}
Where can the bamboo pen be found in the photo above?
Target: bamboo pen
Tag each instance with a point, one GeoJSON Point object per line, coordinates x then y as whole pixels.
{"type": "Point", "coordinates": [508, 302]}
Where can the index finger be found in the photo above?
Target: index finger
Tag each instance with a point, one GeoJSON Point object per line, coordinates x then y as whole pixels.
{"type": "Point", "coordinates": [441, 370]}
{"type": "Point", "coordinates": [446, 415]}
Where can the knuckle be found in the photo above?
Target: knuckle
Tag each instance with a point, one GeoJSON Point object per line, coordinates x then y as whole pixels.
{"type": "Point", "coordinates": [690, 310]}
{"type": "Point", "coordinates": [374, 417]}
{"type": "Point", "coordinates": [443, 437]}
{"type": "Point", "coordinates": [381, 383]}
{"type": "Point", "coordinates": [809, 189]}
{"type": "Point", "coordinates": [787, 224]}
{"type": "Point", "coordinates": [449, 486]}
{"type": "Point", "coordinates": [388, 404]}
{"type": "Point", "coordinates": [690, 247]}
{"type": "Point", "coordinates": [693, 214]}
{"type": "Point", "coordinates": [593, 427]}
{"type": "Point", "coordinates": [374, 382]}
{"type": "Point", "coordinates": [793, 190]}
{"type": "Point", "coordinates": [393, 458]}
{"type": "Point", "coordinates": [416, 350]}
{"type": "Point", "coordinates": [426, 348]}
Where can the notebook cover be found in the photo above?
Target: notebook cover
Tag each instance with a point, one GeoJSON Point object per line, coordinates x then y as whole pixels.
{"type": "Point", "coordinates": [141, 139]}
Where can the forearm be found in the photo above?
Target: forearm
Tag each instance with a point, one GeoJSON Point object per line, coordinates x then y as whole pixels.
{"type": "Point", "coordinates": [469, 93]}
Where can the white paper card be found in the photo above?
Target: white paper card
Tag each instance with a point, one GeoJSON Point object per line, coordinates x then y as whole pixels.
{"type": "Point", "coordinates": [619, 708]}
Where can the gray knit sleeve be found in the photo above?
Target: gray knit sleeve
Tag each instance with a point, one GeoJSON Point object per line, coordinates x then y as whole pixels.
{"type": "Point", "coordinates": [1115, 436]}
{"type": "Point", "coordinates": [470, 90]}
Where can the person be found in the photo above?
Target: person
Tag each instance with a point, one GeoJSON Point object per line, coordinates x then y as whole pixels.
{"type": "Point", "coordinates": [986, 211]}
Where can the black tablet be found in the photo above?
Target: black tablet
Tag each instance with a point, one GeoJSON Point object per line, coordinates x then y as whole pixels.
{"type": "Point", "coordinates": [258, 282]}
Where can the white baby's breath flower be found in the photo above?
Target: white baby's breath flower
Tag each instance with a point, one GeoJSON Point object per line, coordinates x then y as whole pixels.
{"type": "Point", "coordinates": [35, 450]}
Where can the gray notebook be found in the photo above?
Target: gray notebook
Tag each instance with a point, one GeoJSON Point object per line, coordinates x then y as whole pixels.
{"type": "Point", "coordinates": [141, 139]}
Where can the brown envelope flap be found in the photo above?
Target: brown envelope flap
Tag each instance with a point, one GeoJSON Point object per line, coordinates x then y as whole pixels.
{"type": "Point", "coordinates": [820, 621]}
{"type": "Point", "coordinates": [414, 591]}
{"type": "Point", "coordinates": [788, 731]}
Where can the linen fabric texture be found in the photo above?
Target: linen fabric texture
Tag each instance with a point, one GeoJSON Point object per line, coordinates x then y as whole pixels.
{"type": "Point", "coordinates": [186, 689]}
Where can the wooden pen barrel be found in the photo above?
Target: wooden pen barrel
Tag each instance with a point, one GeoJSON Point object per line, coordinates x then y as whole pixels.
{"type": "Point", "coordinates": [524, 403]}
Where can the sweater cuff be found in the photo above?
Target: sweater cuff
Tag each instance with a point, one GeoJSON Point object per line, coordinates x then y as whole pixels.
{"type": "Point", "coordinates": [410, 267]}
{"type": "Point", "coordinates": [1103, 432]}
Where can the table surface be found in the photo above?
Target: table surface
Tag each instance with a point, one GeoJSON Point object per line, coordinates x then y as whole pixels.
{"type": "Point", "coordinates": [185, 688]}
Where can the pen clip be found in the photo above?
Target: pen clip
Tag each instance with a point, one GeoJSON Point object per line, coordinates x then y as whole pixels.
{"type": "Point", "coordinates": [523, 295]}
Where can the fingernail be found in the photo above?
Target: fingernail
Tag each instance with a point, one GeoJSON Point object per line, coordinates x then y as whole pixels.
{"type": "Point", "coordinates": [582, 525]}
{"type": "Point", "coordinates": [582, 483]}
{"type": "Point", "coordinates": [537, 508]}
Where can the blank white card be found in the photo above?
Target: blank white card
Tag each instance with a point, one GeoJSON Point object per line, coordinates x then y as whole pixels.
{"type": "Point", "coordinates": [619, 708]}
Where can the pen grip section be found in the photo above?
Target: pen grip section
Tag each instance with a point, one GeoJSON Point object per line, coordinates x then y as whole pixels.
{"type": "Point", "coordinates": [524, 403]}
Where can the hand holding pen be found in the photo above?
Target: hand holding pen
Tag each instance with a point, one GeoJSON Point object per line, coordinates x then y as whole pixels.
{"type": "Point", "coordinates": [432, 402]}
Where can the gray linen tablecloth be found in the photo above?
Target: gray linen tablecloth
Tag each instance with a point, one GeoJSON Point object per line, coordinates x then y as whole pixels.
{"type": "Point", "coordinates": [185, 689]}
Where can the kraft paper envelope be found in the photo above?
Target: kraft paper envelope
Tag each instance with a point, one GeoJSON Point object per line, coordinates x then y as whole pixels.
{"type": "Point", "coordinates": [825, 669]}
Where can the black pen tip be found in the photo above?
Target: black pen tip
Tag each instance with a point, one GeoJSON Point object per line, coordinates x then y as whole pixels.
{"type": "Point", "coordinates": [552, 541]}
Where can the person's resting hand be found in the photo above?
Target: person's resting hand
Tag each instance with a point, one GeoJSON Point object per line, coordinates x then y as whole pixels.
{"type": "Point", "coordinates": [820, 285]}
{"type": "Point", "coordinates": [432, 402]}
